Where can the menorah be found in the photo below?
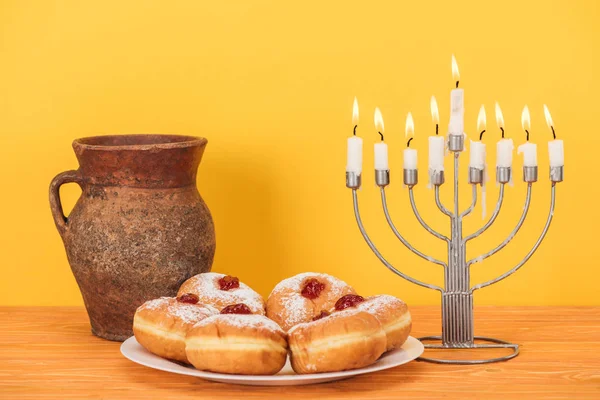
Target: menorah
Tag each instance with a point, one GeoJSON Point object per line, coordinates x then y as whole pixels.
{"type": "Point", "coordinates": [457, 293]}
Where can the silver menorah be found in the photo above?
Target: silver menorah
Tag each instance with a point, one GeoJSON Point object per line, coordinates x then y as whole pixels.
{"type": "Point", "coordinates": [457, 293]}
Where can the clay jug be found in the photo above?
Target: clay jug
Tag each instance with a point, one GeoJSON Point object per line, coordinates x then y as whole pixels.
{"type": "Point", "coordinates": [140, 227]}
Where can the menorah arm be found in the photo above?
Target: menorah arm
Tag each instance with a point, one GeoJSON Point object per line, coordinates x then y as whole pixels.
{"type": "Point", "coordinates": [439, 203]}
{"type": "Point", "coordinates": [512, 234]}
{"type": "Point", "coordinates": [416, 212]}
{"type": "Point", "coordinates": [492, 218]}
{"type": "Point", "coordinates": [473, 203]}
{"type": "Point", "coordinates": [528, 256]}
{"type": "Point", "coordinates": [400, 237]}
{"type": "Point", "coordinates": [378, 254]}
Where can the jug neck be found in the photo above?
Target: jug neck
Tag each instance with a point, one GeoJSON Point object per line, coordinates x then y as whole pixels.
{"type": "Point", "coordinates": [144, 161]}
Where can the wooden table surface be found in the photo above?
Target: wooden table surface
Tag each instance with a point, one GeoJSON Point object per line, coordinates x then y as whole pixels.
{"type": "Point", "coordinates": [49, 352]}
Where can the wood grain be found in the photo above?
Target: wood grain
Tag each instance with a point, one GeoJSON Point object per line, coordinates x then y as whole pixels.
{"type": "Point", "coordinates": [50, 353]}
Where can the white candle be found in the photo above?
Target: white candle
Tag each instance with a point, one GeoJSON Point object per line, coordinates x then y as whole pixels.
{"type": "Point", "coordinates": [381, 149]}
{"type": "Point", "coordinates": [436, 143]}
{"type": "Point", "coordinates": [436, 153]}
{"type": "Point", "coordinates": [457, 96]}
{"type": "Point", "coordinates": [529, 151]}
{"type": "Point", "coordinates": [410, 155]}
{"type": "Point", "coordinates": [354, 154]}
{"type": "Point", "coordinates": [457, 102]}
{"type": "Point", "coordinates": [410, 159]}
{"type": "Point", "coordinates": [477, 153]}
{"type": "Point", "coordinates": [504, 147]}
{"type": "Point", "coordinates": [504, 153]}
{"type": "Point", "coordinates": [354, 160]}
{"type": "Point", "coordinates": [557, 153]}
{"type": "Point", "coordinates": [381, 156]}
{"type": "Point", "coordinates": [456, 125]}
{"type": "Point", "coordinates": [477, 149]}
{"type": "Point", "coordinates": [555, 147]}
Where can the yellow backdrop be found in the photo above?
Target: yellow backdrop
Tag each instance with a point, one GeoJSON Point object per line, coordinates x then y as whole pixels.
{"type": "Point", "coordinates": [271, 84]}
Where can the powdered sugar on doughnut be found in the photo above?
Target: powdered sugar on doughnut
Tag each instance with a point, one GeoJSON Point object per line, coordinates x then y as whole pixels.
{"type": "Point", "coordinates": [294, 283]}
{"type": "Point", "coordinates": [336, 286]}
{"type": "Point", "coordinates": [243, 321]}
{"type": "Point", "coordinates": [187, 313]}
{"type": "Point", "coordinates": [295, 308]}
{"type": "Point", "coordinates": [377, 304]}
{"type": "Point", "coordinates": [206, 284]}
{"type": "Point", "coordinates": [336, 315]}
{"type": "Point", "coordinates": [156, 303]}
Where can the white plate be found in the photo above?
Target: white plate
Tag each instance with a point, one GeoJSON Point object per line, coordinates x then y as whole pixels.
{"type": "Point", "coordinates": [411, 349]}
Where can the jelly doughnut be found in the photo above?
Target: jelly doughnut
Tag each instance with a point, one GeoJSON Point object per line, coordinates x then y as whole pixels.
{"type": "Point", "coordinates": [221, 290]}
{"type": "Point", "coordinates": [233, 343]}
{"type": "Point", "coordinates": [347, 339]}
{"type": "Point", "coordinates": [304, 297]}
{"type": "Point", "coordinates": [393, 315]}
{"type": "Point", "coordinates": [161, 325]}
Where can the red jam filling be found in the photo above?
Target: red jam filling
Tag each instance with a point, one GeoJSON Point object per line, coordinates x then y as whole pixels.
{"type": "Point", "coordinates": [236, 309]}
{"type": "Point", "coordinates": [189, 298]}
{"type": "Point", "coordinates": [349, 300]}
{"type": "Point", "coordinates": [312, 289]}
{"type": "Point", "coordinates": [322, 315]}
{"type": "Point", "coordinates": [229, 282]}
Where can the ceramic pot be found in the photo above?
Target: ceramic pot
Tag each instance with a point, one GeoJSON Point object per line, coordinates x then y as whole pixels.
{"type": "Point", "coordinates": [140, 227]}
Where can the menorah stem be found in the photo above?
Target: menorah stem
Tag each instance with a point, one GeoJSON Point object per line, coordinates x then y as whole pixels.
{"type": "Point", "coordinates": [456, 301]}
{"type": "Point", "coordinates": [456, 208]}
{"type": "Point", "coordinates": [466, 300]}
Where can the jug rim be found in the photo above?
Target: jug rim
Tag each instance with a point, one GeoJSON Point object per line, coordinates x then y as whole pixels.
{"type": "Point", "coordinates": [142, 141]}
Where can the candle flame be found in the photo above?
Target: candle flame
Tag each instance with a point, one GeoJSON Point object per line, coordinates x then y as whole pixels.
{"type": "Point", "coordinates": [435, 115]}
{"type": "Point", "coordinates": [548, 117]}
{"type": "Point", "coordinates": [410, 126]}
{"type": "Point", "coordinates": [499, 116]}
{"type": "Point", "coordinates": [378, 120]}
{"type": "Point", "coordinates": [355, 112]}
{"type": "Point", "coordinates": [455, 73]}
{"type": "Point", "coordinates": [481, 119]}
{"type": "Point", "coordinates": [525, 119]}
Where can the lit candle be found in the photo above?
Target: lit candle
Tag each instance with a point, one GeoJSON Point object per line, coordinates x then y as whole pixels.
{"type": "Point", "coordinates": [504, 147]}
{"type": "Point", "coordinates": [457, 96]}
{"type": "Point", "coordinates": [436, 143]}
{"type": "Point", "coordinates": [529, 150]}
{"type": "Point", "coordinates": [354, 159]}
{"type": "Point", "coordinates": [410, 155]}
{"type": "Point", "coordinates": [381, 149]}
{"type": "Point", "coordinates": [477, 150]}
{"type": "Point", "coordinates": [456, 125]}
{"type": "Point", "coordinates": [555, 147]}
{"type": "Point", "coordinates": [477, 160]}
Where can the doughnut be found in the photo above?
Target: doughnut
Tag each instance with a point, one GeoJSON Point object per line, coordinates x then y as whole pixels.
{"type": "Point", "coordinates": [221, 290]}
{"type": "Point", "coordinates": [347, 339]}
{"type": "Point", "coordinates": [303, 297]}
{"type": "Point", "coordinates": [393, 315]}
{"type": "Point", "coordinates": [234, 343]}
{"type": "Point", "coordinates": [161, 325]}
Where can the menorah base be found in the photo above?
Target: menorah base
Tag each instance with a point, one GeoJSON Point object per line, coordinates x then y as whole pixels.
{"type": "Point", "coordinates": [497, 344]}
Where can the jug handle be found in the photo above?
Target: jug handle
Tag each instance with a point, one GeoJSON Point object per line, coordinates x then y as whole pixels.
{"type": "Point", "coordinates": [55, 205]}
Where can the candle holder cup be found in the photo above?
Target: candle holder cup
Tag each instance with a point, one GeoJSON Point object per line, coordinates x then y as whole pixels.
{"type": "Point", "coordinates": [457, 292]}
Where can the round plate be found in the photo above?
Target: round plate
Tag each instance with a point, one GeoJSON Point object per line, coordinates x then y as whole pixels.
{"type": "Point", "coordinates": [410, 350]}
